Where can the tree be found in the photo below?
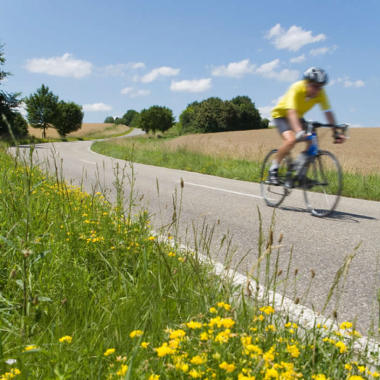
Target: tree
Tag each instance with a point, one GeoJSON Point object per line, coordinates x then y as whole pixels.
{"type": "Point", "coordinates": [42, 108]}
{"type": "Point", "coordinates": [156, 118]}
{"type": "Point", "coordinates": [109, 119]}
{"type": "Point", "coordinates": [129, 117]}
{"type": "Point", "coordinates": [9, 103]}
{"type": "Point", "coordinates": [248, 117]}
{"type": "Point", "coordinates": [69, 118]}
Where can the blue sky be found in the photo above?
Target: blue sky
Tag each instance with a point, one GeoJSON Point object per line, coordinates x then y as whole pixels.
{"type": "Point", "coordinates": [111, 56]}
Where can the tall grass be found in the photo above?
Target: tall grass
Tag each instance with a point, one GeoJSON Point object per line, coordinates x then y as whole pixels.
{"type": "Point", "coordinates": [154, 152]}
{"type": "Point", "coordinates": [87, 291]}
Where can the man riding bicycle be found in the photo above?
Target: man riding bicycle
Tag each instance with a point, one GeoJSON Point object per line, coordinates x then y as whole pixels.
{"type": "Point", "coordinates": [287, 114]}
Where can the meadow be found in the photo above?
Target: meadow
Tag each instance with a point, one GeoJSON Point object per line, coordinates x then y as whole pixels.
{"type": "Point", "coordinates": [238, 155]}
{"type": "Point", "coordinates": [89, 291]}
{"type": "Point", "coordinates": [87, 131]}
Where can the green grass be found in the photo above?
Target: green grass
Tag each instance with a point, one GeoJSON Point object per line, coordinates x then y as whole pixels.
{"type": "Point", "coordinates": [87, 291]}
{"type": "Point", "coordinates": [153, 152]}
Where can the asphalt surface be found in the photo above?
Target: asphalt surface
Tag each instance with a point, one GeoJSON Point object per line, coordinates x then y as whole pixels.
{"type": "Point", "coordinates": [224, 217]}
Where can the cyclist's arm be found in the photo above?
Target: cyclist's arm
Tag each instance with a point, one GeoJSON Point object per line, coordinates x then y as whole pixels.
{"type": "Point", "coordinates": [338, 137]}
{"type": "Point", "coordinates": [294, 120]}
{"type": "Point", "coordinates": [330, 118]}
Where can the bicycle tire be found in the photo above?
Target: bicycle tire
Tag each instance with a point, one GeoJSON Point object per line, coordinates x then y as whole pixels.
{"type": "Point", "coordinates": [274, 195]}
{"type": "Point", "coordinates": [324, 184]}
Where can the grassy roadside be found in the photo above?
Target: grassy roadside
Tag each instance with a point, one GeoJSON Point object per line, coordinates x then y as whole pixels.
{"type": "Point", "coordinates": [87, 292]}
{"type": "Point", "coordinates": [154, 152]}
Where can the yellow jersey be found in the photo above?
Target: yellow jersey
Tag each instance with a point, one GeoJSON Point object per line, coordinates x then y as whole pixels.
{"type": "Point", "coordinates": [295, 98]}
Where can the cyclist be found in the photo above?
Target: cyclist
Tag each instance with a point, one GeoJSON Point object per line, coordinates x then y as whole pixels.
{"type": "Point", "coordinates": [287, 114]}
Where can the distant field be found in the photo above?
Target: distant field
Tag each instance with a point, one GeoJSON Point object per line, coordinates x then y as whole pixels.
{"type": "Point", "coordinates": [87, 130]}
{"type": "Point", "coordinates": [360, 153]}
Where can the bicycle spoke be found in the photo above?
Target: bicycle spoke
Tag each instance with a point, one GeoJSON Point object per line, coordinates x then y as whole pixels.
{"type": "Point", "coordinates": [325, 178]}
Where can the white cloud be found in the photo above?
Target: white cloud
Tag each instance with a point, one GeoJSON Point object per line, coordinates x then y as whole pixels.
{"type": "Point", "coordinates": [356, 83]}
{"type": "Point", "coordinates": [133, 93]}
{"type": "Point", "coordinates": [160, 71]}
{"type": "Point", "coordinates": [96, 107]}
{"type": "Point", "coordinates": [265, 111]}
{"type": "Point", "coordinates": [197, 85]}
{"type": "Point", "coordinates": [268, 70]}
{"type": "Point", "coordinates": [322, 50]}
{"type": "Point", "coordinates": [347, 82]}
{"type": "Point", "coordinates": [22, 109]}
{"type": "Point", "coordinates": [65, 66]}
{"type": "Point", "coordinates": [234, 69]}
{"type": "Point", "coordinates": [120, 69]}
{"type": "Point", "coordinates": [298, 59]}
{"type": "Point", "coordinates": [292, 39]}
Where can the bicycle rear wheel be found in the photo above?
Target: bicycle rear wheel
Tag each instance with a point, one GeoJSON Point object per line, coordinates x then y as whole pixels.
{"type": "Point", "coordinates": [274, 194]}
{"type": "Point", "coordinates": [323, 185]}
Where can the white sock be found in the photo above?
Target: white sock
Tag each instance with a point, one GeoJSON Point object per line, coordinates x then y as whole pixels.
{"type": "Point", "coordinates": [275, 165]}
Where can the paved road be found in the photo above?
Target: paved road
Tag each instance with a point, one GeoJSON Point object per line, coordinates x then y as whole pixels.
{"type": "Point", "coordinates": [230, 208]}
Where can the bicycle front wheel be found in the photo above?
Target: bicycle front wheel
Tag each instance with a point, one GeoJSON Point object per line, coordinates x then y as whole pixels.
{"type": "Point", "coordinates": [273, 194]}
{"type": "Point", "coordinates": [323, 185]}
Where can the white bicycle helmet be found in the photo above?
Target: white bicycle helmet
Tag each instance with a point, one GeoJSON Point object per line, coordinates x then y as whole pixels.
{"type": "Point", "coordinates": [316, 75]}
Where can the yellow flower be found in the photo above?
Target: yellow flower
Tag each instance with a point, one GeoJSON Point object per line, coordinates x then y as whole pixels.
{"type": "Point", "coordinates": [123, 370]}
{"type": "Point", "coordinates": [164, 350]}
{"type": "Point", "coordinates": [195, 374]}
{"type": "Point", "coordinates": [198, 360]}
{"type": "Point", "coordinates": [144, 344]}
{"type": "Point", "coordinates": [267, 310]}
{"type": "Point", "coordinates": [204, 336]}
{"type": "Point", "coordinates": [171, 254]}
{"type": "Point", "coordinates": [227, 367]}
{"type": "Point", "coordinates": [213, 310]}
{"type": "Point", "coordinates": [194, 325]}
{"type": "Point", "coordinates": [109, 352]}
{"type": "Point", "coordinates": [342, 347]}
{"type": "Point", "coordinates": [345, 325]}
{"type": "Point", "coordinates": [271, 373]}
{"type": "Point", "coordinates": [154, 377]}
{"type": "Point", "coordinates": [136, 333]}
{"type": "Point", "coordinates": [223, 305]}
{"type": "Point", "coordinates": [319, 376]}
{"type": "Point", "coordinates": [293, 351]}
{"type": "Point", "coordinates": [151, 238]}
{"type": "Point", "coordinates": [66, 339]}
{"type": "Point", "coordinates": [177, 334]}
{"type": "Point", "coordinates": [355, 378]}
{"type": "Point", "coordinates": [30, 347]}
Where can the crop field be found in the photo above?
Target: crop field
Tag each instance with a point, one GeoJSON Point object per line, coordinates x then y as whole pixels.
{"type": "Point", "coordinates": [359, 154]}
{"type": "Point", "coordinates": [87, 130]}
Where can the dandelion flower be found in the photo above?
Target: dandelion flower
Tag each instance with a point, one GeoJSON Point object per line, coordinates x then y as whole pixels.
{"type": "Point", "coordinates": [123, 370]}
{"type": "Point", "coordinates": [66, 338]}
{"type": "Point", "coordinates": [144, 344]}
{"type": "Point", "coordinates": [109, 352]}
{"type": "Point", "coordinates": [136, 333]}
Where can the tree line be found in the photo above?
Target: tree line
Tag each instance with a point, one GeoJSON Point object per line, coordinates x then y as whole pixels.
{"type": "Point", "coordinates": [45, 110]}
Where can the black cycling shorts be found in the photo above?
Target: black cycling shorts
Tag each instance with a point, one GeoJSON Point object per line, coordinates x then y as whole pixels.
{"type": "Point", "coordinates": [283, 125]}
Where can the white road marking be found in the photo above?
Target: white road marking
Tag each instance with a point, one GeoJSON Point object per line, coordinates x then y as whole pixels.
{"type": "Point", "coordinates": [224, 190]}
{"type": "Point", "coordinates": [88, 162]}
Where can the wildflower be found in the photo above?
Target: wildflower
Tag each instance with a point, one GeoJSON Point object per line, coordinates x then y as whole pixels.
{"type": "Point", "coordinates": [348, 367]}
{"type": "Point", "coordinates": [123, 370]}
{"type": "Point", "coordinates": [109, 352]}
{"type": "Point", "coordinates": [194, 325]}
{"type": "Point", "coordinates": [355, 378]}
{"type": "Point", "coordinates": [245, 377]}
{"type": "Point", "coordinates": [171, 254]}
{"type": "Point", "coordinates": [11, 374]}
{"type": "Point", "coordinates": [177, 334]}
{"type": "Point", "coordinates": [30, 347]}
{"type": "Point", "coordinates": [293, 351]}
{"type": "Point", "coordinates": [164, 350]}
{"type": "Point", "coordinates": [154, 377]}
{"type": "Point", "coordinates": [66, 339]}
{"type": "Point", "coordinates": [345, 325]}
{"type": "Point", "coordinates": [271, 373]}
{"type": "Point", "coordinates": [213, 310]}
{"type": "Point", "coordinates": [223, 305]}
{"type": "Point", "coordinates": [195, 374]}
{"type": "Point", "coordinates": [319, 376]}
{"type": "Point", "coordinates": [204, 336]}
{"type": "Point", "coordinates": [144, 344]}
{"type": "Point", "coordinates": [227, 367]}
{"type": "Point", "coordinates": [151, 238]}
{"type": "Point", "coordinates": [270, 328]}
{"type": "Point", "coordinates": [136, 333]}
{"type": "Point", "coordinates": [216, 356]}
{"type": "Point", "coordinates": [267, 310]}
{"type": "Point", "coordinates": [342, 347]}
{"type": "Point", "coordinates": [198, 360]}
{"type": "Point", "coordinates": [223, 336]}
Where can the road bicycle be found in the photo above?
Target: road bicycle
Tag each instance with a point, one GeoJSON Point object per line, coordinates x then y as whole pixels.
{"type": "Point", "coordinates": [319, 175]}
